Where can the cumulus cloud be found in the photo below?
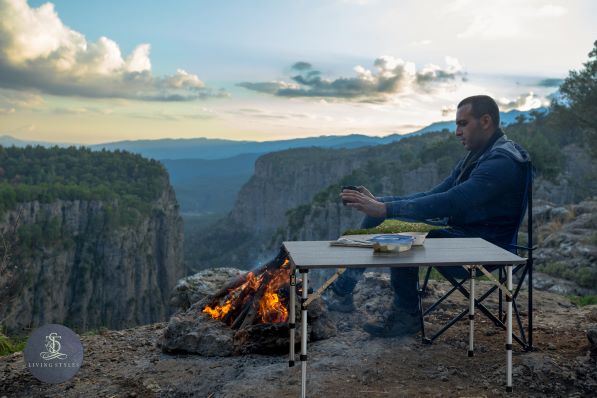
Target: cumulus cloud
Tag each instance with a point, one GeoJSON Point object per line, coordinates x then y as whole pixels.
{"type": "Point", "coordinates": [37, 51]}
{"type": "Point", "coordinates": [523, 102]}
{"type": "Point", "coordinates": [390, 76]}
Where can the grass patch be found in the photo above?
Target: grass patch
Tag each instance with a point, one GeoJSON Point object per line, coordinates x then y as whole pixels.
{"type": "Point", "coordinates": [9, 346]}
{"type": "Point", "coordinates": [94, 332]}
{"type": "Point", "coordinates": [394, 226]}
{"type": "Point", "coordinates": [581, 301]}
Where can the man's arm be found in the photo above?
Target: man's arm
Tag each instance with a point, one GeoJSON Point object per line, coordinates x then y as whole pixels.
{"type": "Point", "coordinates": [442, 187]}
{"type": "Point", "coordinates": [491, 178]}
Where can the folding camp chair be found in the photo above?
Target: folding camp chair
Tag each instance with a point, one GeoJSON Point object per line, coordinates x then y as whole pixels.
{"type": "Point", "coordinates": [524, 270]}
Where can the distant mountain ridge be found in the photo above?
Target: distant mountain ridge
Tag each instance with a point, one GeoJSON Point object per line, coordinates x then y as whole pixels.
{"type": "Point", "coordinates": [213, 148]}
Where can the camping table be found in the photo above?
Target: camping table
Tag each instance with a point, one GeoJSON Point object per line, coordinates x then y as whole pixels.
{"type": "Point", "coordinates": [472, 253]}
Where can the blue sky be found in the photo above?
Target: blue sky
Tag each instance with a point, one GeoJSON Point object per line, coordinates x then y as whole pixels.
{"type": "Point", "coordinates": [91, 72]}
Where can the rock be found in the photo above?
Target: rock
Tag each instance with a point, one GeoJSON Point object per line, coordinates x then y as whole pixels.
{"type": "Point", "coordinates": [323, 329]}
{"type": "Point", "coordinates": [567, 248]}
{"type": "Point", "coordinates": [193, 331]}
{"type": "Point", "coordinates": [543, 281]}
{"type": "Point", "coordinates": [194, 288]}
{"type": "Point", "coordinates": [592, 337]}
{"type": "Point", "coordinates": [197, 333]}
{"type": "Point", "coordinates": [98, 274]}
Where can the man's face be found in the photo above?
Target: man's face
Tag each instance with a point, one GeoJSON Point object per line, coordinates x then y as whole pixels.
{"type": "Point", "coordinates": [468, 128]}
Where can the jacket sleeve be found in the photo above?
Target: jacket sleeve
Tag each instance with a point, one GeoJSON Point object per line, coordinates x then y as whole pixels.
{"type": "Point", "coordinates": [492, 177]}
{"type": "Point", "coordinates": [442, 187]}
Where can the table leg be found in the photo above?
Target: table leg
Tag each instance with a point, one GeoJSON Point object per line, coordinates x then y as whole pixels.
{"type": "Point", "coordinates": [303, 356]}
{"type": "Point", "coordinates": [471, 311]}
{"type": "Point", "coordinates": [292, 320]}
{"type": "Point", "coordinates": [509, 330]}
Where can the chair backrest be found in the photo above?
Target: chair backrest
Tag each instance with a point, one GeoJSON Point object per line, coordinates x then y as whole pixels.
{"type": "Point", "coordinates": [527, 207]}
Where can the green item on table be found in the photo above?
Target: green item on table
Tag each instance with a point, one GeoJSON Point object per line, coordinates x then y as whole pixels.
{"type": "Point", "coordinates": [394, 226]}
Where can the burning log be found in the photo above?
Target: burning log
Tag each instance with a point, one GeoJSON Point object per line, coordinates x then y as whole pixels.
{"type": "Point", "coordinates": [256, 298]}
{"type": "Point", "coordinates": [241, 317]}
{"type": "Point", "coordinates": [273, 264]}
{"type": "Point", "coordinates": [253, 312]}
{"type": "Point", "coordinates": [250, 317]}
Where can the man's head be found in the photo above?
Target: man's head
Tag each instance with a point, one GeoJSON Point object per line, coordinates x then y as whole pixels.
{"type": "Point", "coordinates": [477, 118]}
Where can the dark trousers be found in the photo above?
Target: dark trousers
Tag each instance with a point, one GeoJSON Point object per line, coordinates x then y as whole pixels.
{"type": "Point", "coordinates": [404, 281]}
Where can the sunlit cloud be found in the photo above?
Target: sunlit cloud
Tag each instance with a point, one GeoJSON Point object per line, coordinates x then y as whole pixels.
{"type": "Point", "coordinates": [390, 76]}
{"type": "Point", "coordinates": [13, 100]}
{"type": "Point", "coordinates": [501, 19]}
{"type": "Point", "coordinates": [523, 102]}
{"type": "Point", "coordinates": [264, 114]}
{"type": "Point", "coordinates": [37, 51]}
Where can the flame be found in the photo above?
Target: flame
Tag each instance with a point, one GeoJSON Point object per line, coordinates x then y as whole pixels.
{"type": "Point", "coordinates": [219, 311]}
{"type": "Point", "coordinates": [271, 308]}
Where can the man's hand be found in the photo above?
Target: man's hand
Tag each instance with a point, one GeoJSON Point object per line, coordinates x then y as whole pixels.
{"type": "Point", "coordinates": [365, 191]}
{"type": "Point", "coordinates": [364, 202]}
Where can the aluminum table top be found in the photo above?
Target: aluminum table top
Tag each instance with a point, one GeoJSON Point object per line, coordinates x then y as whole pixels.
{"type": "Point", "coordinates": [435, 251]}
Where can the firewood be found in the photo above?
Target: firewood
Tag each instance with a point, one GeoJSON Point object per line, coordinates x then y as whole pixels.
{"type": "Point", "coordinates": [236, 282]}
{"type": "Point", "coordinates": [242, 314]}
{"type": "Point", "coordinates": [253, 312]}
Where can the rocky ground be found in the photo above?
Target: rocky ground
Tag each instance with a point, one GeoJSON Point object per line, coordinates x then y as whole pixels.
{"type": "Point", "coordinates": [128, 363]}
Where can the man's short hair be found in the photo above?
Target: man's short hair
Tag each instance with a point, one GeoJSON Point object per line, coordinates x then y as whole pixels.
{"type": "Point", "coordinates": [481, 105]}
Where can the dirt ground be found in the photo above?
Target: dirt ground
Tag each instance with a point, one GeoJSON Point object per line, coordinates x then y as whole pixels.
{"type": "Point", "coordinates": [128, 363]}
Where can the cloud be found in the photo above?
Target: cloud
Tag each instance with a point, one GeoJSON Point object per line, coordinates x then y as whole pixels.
{"type": "Point", "coordinates": [420, 43]}
{"type": "Point", "coordinates": [391, 76]}
{"type": "Point", "coordinates": [448, 110]}
{"type": "Point", "coordinates": [11, 101]}
{"type": "Point", "coordinates": [37, 51]}
{"type": "Point", "coordinates": [267, 87]}
{"type": "Point", "coordinates": [523, 102]}
{"type": "Point", "coordinates": [503, 19]}
{"type": "Point", "coordinates": [263, 114]}
{"type": "Point", "coordinates": [80, 111]}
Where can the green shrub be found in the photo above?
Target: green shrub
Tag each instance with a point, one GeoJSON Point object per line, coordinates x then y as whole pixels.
{"type": "Point", "coordinates": [8, 346]}
{"type": "Point", "coordinates": [581, 301]}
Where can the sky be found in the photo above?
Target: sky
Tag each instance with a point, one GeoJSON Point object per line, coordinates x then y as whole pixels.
{"type": "Point", "coordinates": [91, 72]}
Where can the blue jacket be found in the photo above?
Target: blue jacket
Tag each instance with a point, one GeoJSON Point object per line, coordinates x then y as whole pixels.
{"type": "Point", "coordinates": [489, 204]}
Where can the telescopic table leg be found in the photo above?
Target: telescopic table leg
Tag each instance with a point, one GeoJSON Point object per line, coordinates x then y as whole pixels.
{"type": "Point", "coordinates": [471, 311]}
{"type": "Point", "coordinates": [509, 330]}
{"type": "Point", "coordinates": [292, 321]}
{"type": "Point", "coordinates": [303, 356]}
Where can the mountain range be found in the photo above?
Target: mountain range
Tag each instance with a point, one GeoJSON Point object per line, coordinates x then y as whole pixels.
{"type": "Point", "coordinates": [208, 173]}
{"type": "Point", "coordinates": [214, 148]}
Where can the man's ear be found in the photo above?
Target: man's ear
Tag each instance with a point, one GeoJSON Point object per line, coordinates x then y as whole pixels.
{"type": "Point", "coordinates": [486, 121]}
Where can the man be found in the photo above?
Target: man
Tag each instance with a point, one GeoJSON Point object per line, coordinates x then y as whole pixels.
{"type": "Point", "coordinates": [482, 197]}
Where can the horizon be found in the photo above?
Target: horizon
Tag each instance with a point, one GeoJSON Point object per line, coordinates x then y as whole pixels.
{"type": "Point", "coordinates": [98, 73]}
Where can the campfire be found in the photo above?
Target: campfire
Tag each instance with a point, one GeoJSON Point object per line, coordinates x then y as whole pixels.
{"type": "Point", "coordinates": [249, 314]}
{"type": "Point", "coordinates": [262, 298]}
